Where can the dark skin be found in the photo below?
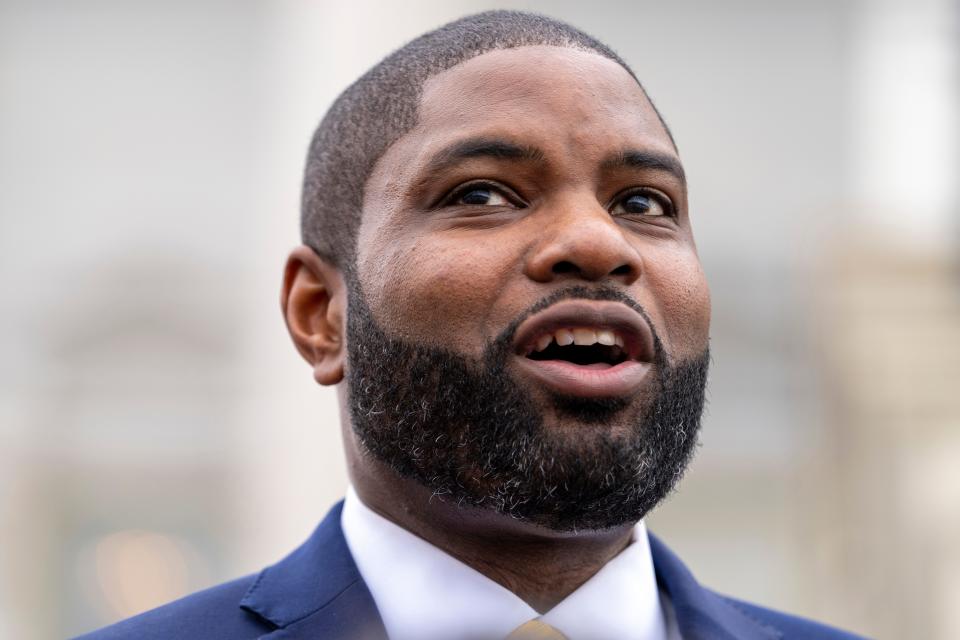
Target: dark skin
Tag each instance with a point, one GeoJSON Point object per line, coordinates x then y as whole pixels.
{"type": "Point", "coordinates": [530, 169]}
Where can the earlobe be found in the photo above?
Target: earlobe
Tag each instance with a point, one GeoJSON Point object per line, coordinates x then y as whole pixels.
{"type": "Point", "coordinates": [313, 301]}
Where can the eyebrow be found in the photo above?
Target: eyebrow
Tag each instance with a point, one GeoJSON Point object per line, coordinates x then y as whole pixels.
{"type": "Point", "coordinates": [500, 149]}
{"type": "Point", "coordinates": [635, 159]}
{"type": "Point", "coordinates": [482, 148]}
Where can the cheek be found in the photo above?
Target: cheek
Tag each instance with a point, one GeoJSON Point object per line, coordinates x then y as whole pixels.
{"type": "Point", "coordinates": [438, 290]}
{"type": "Point", "coordinates": [681, 287]}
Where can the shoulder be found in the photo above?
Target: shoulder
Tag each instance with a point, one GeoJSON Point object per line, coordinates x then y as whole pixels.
{"type": "Point", "coordinates": [787, 625]}
{"type": "Point", "coordinates": [210, 614]}
{"type": "Point", "coordinates": [702, 612]}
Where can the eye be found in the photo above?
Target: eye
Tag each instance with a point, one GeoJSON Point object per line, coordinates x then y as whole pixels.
{"type": "Point", "coordinates": [480, 195]}
{"type": "Point", "coordinates": [642, 203]}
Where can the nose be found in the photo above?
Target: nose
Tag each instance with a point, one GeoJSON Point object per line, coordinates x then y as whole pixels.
{"type": "Point", "coordinates": [583, 243]}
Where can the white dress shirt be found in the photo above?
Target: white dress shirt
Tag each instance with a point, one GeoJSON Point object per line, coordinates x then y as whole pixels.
{"type": "Point", "coordinates": [423, 593]}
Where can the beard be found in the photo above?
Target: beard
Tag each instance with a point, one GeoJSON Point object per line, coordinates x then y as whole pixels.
{"type": "Point", "coordinates": [468, 431]}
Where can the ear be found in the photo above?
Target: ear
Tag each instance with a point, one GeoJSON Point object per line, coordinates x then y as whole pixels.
{"type": "Point", "coordinates": [314, 306]}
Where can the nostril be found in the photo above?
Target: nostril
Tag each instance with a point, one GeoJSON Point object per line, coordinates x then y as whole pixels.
{"type": "Point", "coordinates": [565, 266]}
{"type": "Point", "coordinates": [622, 270]}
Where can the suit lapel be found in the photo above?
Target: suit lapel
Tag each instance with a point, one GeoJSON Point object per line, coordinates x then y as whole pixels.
{"type": "Point", "coordinates": [316, 591]}
{"type": "Point", "coordinates": [702, 614]}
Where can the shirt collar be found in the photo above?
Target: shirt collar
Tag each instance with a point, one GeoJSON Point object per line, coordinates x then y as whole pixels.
{"type": "Point", "coordinates": [422, 592]}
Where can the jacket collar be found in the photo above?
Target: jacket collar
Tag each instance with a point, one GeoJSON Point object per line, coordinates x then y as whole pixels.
{"type": "Point", "coordinates": [701, 613]}
{"type": "Point", "coordinates": [316, 591]}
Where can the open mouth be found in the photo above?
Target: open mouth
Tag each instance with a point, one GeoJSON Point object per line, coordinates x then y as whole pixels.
{"type": "Point", "coordinates": [581, 346]}
{"type": "Point", "coordinates": [586, 348]}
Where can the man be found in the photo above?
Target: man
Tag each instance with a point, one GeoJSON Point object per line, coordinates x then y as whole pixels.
{"type": "Point", "coordinates": [500, 270]}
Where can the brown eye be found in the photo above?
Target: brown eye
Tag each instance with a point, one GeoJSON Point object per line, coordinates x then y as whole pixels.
{"type": "Point", "coordinates": [642, 204]}
{"type": "Point", "coordinates": [481, 196]}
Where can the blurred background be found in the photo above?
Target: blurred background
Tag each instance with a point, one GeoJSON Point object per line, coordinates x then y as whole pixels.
{"type": "Point", "coordinates": [159, 434]}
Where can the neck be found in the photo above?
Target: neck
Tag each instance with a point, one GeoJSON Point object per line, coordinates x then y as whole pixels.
{"type": "Point", "coordinates": [539, 565]}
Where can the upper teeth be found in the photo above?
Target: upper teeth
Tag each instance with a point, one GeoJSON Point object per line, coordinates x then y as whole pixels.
{"type": "Point", "coordinates": [579, 336]}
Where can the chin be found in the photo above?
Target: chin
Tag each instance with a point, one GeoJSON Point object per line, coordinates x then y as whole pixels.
{"type": "Point", "coordinates": [611, 415]}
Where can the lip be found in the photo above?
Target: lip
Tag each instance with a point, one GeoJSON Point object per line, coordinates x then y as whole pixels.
{"type": "Point", "coordinates": [588, 381]}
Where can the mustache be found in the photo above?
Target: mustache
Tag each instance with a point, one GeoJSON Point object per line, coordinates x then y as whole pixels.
{"type": "Point", "coordinates": [501, 344]}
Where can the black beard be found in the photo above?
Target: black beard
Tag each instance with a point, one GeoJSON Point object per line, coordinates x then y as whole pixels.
{"type": "Point", "coordinates": [468, 431]}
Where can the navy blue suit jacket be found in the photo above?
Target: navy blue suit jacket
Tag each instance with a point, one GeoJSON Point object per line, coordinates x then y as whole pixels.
{"type": "Point", "coordinates": [317, 593]}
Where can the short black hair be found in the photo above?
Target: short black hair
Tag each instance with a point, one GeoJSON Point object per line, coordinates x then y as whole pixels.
{"type": "Point", "coordinates": [380, 107]}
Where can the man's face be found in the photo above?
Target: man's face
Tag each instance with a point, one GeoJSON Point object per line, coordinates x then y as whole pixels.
{"type": "Point", "coordinates": [538, 199]}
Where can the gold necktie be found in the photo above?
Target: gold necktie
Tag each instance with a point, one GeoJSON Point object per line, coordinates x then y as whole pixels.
{"type": "Point", "coordinates": [535, 630]}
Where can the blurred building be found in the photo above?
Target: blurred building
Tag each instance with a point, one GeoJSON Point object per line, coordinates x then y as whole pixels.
{"type": "Point", "coordinates": [886, 486]}
{"type": "Point", "coordinates": [159, 434]}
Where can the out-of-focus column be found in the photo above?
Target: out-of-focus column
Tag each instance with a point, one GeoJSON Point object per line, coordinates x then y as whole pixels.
{"type": "Point", "coordinates": [889, 319]}
{"type": "Point", "coordinates": [905, 119]}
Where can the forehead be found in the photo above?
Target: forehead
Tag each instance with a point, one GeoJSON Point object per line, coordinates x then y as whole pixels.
{"type": "Point", "coordinates": [537, 88]}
